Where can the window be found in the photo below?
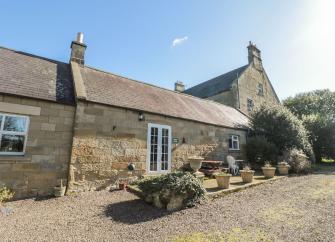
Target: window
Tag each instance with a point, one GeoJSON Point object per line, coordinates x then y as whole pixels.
{"type": "Point", "coordinates": [250, 104]}
{"type": "Point", "coordinates": [13, 134]}
{"type": "Point", "coordinates": [234, 142]}
{"type": "Point", "coordinates": [260, 90]}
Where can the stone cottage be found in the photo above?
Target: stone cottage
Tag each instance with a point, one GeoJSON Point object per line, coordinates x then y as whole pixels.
{"type": "Point", "coordinates": [92, 128]}
{"type": "Point", "coordinates": [244, 88]}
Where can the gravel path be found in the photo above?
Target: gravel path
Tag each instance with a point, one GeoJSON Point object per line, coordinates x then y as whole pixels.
{"type": "Point", "coordinates": [293, 209]}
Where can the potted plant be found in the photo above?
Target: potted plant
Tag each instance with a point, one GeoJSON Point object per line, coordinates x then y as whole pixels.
{"type": "Point", "coordinates": [195, 162]}
{"type": "Point", "coordinates": [223, 179]}
{"type": "Point", "coordinates": [59, 191]}
{"type": "Point", "coordinates": [247, 174]}
{"type": "Point", "coordinates": [283, 168]}
{"type": "Point", "coordinates": [268, 170]}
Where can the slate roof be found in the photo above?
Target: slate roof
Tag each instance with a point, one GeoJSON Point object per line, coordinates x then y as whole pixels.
{"type": "Point", "coordinates": [28, 75]}
{"type": "Point", "coordinates": [216, 85]}
{"type": "Point", "coordinates": [107, 88]}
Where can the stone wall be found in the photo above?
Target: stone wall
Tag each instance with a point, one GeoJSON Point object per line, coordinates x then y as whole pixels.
{"type": "Point", "coordinates": [247, 88]}
{"type": "Point", "coordinates": [48, 148]}
{"type": "Point", "coordinates": [106, 139]}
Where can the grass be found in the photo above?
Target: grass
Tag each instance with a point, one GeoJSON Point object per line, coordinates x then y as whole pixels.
{"type": "Point", "coordinates": [234, 235]}
{"type": "Point", "coordinates": [328, 161]}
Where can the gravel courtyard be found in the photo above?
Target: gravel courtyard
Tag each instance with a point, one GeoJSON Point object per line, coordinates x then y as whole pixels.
{"type": "Point", "coordinates": [293, 209]}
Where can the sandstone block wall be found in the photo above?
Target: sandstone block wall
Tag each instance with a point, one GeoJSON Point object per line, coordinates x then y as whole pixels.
{"type": "Point", "coordinates": [247, 88]}
{"type": "Point", "coordinates": [107, 139]}
{"type": "Point", "coordinates": [47, 153]}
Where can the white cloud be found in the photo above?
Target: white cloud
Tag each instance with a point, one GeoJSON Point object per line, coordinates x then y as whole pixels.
{"type": "Point", "coordinates": [179, 41]}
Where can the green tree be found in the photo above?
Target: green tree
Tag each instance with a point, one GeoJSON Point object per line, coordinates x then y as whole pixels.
{"type": "Point", "coordinates": [259, 150]}
{"type": "Point", "coordinates": [317, 110]}
{"type": "Point", "coordinates": [280, 127]}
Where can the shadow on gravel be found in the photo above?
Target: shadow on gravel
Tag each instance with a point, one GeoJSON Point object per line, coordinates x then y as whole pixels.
{"type": "Point", "coordinates": [133, 212]}
{"type": "Point", "coordinates": [43, 198]}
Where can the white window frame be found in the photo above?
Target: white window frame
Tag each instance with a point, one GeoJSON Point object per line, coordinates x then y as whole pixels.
{"type": "Point", "coordinates": [234, 138]}
{"type": "Point", "coordinates": [159, 152]}
{"type": "Point", "coordinates": [4, 132]}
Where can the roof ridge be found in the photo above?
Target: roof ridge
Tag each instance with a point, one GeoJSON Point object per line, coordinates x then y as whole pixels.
{"type": "Point", "coordinates": [32, 55]}
{"type": "Point", "coordinates": [203, 83]}
{"type": "Point", "coordinates": [164, 89]}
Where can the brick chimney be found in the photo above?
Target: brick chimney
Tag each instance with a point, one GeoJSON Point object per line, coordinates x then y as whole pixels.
{"type": "Point", "coordinates": [254, 56]}
{"type": "Point", "coordinates": [78, 49]}
{"type": "Point", "coordinates": [179, 86]}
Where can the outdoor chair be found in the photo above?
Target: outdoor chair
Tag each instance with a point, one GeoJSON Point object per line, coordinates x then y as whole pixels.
{"type": "Point", "coordinates": [232, 165]}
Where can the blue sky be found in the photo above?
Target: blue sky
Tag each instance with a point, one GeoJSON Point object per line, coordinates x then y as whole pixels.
{"type": "Point", "coordinates": [135, 38]}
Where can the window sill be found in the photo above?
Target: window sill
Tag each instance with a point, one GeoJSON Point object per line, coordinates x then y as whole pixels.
{"type": "Point", "coordinates": [14, 158]}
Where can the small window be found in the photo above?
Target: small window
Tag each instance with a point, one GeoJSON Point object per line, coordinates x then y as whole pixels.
{"type": "Point", "coordinates": [13, 134]}
{"type": "Point", "coordinates": [250, 104]}
{"type": "Point", "coordinates": [260, 89]}
{"type": "Point", "coordinates": [234, 142]}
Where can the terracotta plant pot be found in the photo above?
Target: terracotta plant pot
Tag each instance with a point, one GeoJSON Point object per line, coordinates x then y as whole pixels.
{"type": "Point", "coordinates": [195, 163]}
{"type": "Point", "coordinates": [223, 180]}
{"type": "Point", "coordinates": [269, 172]}
{"type": "Point", "coordinates": [59, 191]}
{"type": "Point", "coordinates": [247, 175]}
{"type": "Point", "coordinates": [283, 168]}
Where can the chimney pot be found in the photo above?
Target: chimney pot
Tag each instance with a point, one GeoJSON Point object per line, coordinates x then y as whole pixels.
{"type": "Point", "coordinates": [80, 37]}
{"type": "Point", "coordinates": [179, 86]}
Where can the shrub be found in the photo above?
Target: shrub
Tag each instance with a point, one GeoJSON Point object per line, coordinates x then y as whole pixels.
{"type": "Point", "coordinates": [175, 183]}
{"type": "Point", "coordinates": [5, 195]}
{"type": "Point", "coordinates": [280, 127]}
{"type": "Point", "coordinates": [259, 150]}
{"type": "Point", "coordinates": [298, 161]}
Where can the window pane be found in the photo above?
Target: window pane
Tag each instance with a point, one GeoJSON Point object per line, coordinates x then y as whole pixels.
{"type": "Point", "coordinates": [235, 145]}
{"type": "Point", "coordinates": [12, 143]}
{"type": "Point", "coordinates": [17, 124]}
{"type": "Point", "coordinates": [1, 117]}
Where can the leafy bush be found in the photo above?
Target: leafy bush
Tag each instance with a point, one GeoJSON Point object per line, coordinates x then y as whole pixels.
{"type": "Point", "coordinates": [5, 195]}
{"type": "Point", "coordinates": [298, 161]}
{"type": "Point", "coordinates": [280, 127]}
{"type": "Point", "coordinates": [178, 183]}
{"type": "Point", "coordinates": [260, 150]}
{"type": "Point", "coordinates": [317, 110]}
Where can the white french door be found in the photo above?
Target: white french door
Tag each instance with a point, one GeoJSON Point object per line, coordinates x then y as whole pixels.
{"type": "Point", "coordinates": [159, 148]}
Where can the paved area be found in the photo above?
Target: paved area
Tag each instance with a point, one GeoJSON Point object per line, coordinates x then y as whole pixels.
{"type": "Point", "coordinates": [236, 184]}
{"type": "Point", "coordinates": [298, 208]}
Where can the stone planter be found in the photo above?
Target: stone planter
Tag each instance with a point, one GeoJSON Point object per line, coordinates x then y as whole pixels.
{"type": "Point", "coordinates": [269, 172]}
{"type": "Point", "coordinates": [195, 163]}
{"type": "Point", "coordinates": [283, 168]}
{"type": "Point", "coordinates": [247, 175]}
{"type": "Point", "coordinates": [59, 191]}
{"type": "Point", "coordinates": [223, 180]}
